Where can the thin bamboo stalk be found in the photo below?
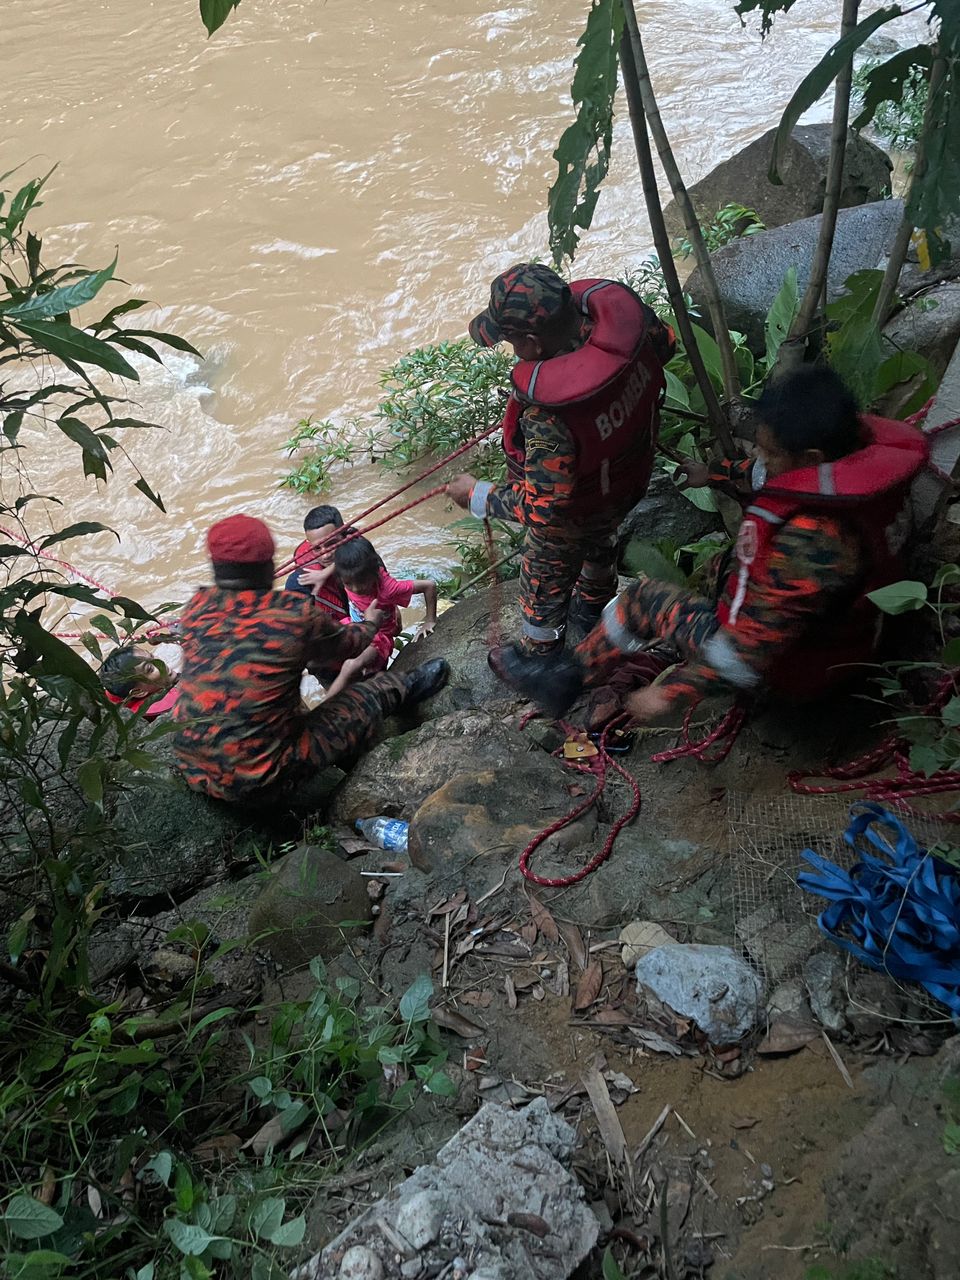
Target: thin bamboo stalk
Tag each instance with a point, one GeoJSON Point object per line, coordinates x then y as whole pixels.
{"type": "Point", "coordinates": [731, 382]}
{"type": "Point", "coordinates": [791, 351]}
{"type": "Point", "coordinates": [661, 239]}
{"type": "Point", "coordinates": [898, 252]}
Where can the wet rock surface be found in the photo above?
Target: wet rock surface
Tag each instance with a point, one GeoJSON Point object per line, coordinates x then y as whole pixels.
{"type": "Point", "coordinates": [744, 179]}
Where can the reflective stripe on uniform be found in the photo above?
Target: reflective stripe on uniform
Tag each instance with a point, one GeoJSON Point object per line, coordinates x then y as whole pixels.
{"type": "Point", "coordinates": [478, 498]}
{"type": "Point", "coordinates": [542, 633]}
{"type": "Point", "coordinates": [619, 636]}
{"type": "Point", "coordinates": [718, 650]}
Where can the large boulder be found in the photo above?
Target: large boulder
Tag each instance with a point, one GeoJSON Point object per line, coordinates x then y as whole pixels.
{"type": "Point", "coordinates": [750, 271]}
{"type": "Point", "coordinates": [484, 816]}
{"type": "Point", "coordinates": [311, 906]}
{"type": "Point", "coordinates": [463, 636]}
{"type": "Point", "coordinates": [929, 323]}
{"type": "Point", "coordinates": [665, 515]}
{"type": "Point", "coordinates": [743, 179]}
{"type": "Point", "coordinates": [398, 775]}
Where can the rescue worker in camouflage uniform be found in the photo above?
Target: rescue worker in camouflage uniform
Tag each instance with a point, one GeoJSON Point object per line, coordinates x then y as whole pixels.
{"type": "Point", "coordinates": [243, 733]}
{"type": "Point", "coordinates": [579, 433]}
{"type": "Point", "coordinates": [827, 513]}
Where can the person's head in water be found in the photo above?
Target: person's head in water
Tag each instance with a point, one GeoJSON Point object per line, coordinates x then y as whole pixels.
{"type": "Point", "coordinates": [241, 551]}
{"type": "Point", "coordinates": [806, 418]}
{"type": "Point", "coordinates": [132, 671]}
{"type": "Point", "coordinates": [358, 566]}
{"type": "Point", "coordinates": [532, 308]}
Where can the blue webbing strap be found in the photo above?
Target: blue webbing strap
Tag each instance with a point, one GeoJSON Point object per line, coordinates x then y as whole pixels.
{"type": "Point", "coordinates": [898, 912]}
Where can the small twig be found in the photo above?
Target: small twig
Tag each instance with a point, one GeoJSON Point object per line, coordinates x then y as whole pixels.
{"type": "Point", "coordinates": [664, 1233]}
{"type": "Point", "coordinates": [446, 949]}
{"type": "Point", "coordinates": [840, 1064]}
{"type": "Point", "coordinates": [708, 1188]}
{"type": "Point", "coordinates": [401, 1245]}
{"type": "Point", "coordinates": [793, 1248]}
{"type": "Point", "coordinates": [496, 888]}
{"type": "Point", "coordinates": [652, 1132]}
{"type": "Point", "coordinates": [684, 1124]}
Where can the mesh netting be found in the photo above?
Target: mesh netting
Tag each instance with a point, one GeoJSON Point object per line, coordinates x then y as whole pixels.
{"type": "Point", "coordinates": [775, 920]}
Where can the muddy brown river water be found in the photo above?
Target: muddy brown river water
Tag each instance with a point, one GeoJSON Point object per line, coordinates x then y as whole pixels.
{"type": "Point", "coordinates": [313, 192]}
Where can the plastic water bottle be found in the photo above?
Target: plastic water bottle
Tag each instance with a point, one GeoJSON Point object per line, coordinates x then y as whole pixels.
{"type": "Point", "coordinates": [385, 833]}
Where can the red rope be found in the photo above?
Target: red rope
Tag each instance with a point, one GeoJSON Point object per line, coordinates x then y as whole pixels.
{"type": "Point", "coordinates": [64, 564]}
{"type": "Point", "coordinates": [905, 784]}
{"type": "Point", "coordinates": [335, 540]}
{"type": "Point", "coordinates": [598, 767]}
{"type": "Point", "coordinates": [722, 737]}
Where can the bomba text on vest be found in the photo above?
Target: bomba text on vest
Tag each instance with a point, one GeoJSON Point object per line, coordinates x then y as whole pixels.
{"type": "Point", "coordinates": [620, 410]}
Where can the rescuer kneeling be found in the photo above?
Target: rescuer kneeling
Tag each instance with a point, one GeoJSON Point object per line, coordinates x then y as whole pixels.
{"type": "Point", "coordinates": [826, 516]}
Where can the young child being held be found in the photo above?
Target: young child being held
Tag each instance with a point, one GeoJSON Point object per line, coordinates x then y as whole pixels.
{"type": "Point", "coordinates": [133, 676]}
{"type": "Point", "coordinates": [367, 582]}
{"type": "Point", "coordinates": [319, 524]}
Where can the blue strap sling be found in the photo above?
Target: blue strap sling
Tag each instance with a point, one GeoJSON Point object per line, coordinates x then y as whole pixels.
{"type": "Point", "coordinates": [898, 912]}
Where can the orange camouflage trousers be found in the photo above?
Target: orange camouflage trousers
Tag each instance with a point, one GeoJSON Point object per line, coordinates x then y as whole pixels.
{"type": "Point", "coordinates": [557, 570]}
{"type": "Point", "coordinates": [648, 610]}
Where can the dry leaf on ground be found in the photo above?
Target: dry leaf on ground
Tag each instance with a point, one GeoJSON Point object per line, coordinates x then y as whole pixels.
{"type": "Point", "coordinates": [543, 919]}
{"type": "Point", "coordinates": [588, 988]}
{"type": "Point", "coordinates": [744, 1122]}
{"type": "Point", "coordinates": [573, 941]}
{"type": "Point", "coordinates": [481, 999]}
{"type": "Point", "coordinates": [456, 1022]}
{"type": "Point", "coordinates": [511, 991]}
{"type": "Point", "coordinates": [787, 1035]}
{"type": "Point", "coordinates": [451, 904]}
{"type": "Point", "coordinates": [223, 1147]}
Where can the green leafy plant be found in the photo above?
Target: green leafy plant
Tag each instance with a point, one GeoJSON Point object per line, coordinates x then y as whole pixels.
{"type": "Point", "coordinates": [893, 96]}
{"type": "Point", "coordinates": [934, 737]}
{"type": "Point", "coordinates": [436, 398]}
{"type": "Point", "coordinates": [857, 350]}
{"type": "Point", "coordinates": [104, 1116]}
{"type": "Point", "coordinates": [731, 222]}
{"type": "Point", "coordinates": [317, 448]}
{"type": "Point", "coordinates": [474, 557]}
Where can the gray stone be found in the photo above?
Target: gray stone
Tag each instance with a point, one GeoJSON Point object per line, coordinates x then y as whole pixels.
{"type": "Point", "coordinates": [174, 841]}
{"type": "Point", "coordinates": [420, 1218]}
{"type": "Point", "coordinates": [711, 985]}
{"type": "Point", "coordinates": [304, 910]}
{"type": "Point", "coordinates": [398, 775]}
{"type": "Point", "coordinates": [499, 1161]}
{"type": "Point", "coordinates": [463, 636]}
{"type": "Point", "coordinates": [360, 1263]}
{"type": "Point", "coordinates": [751, 270]}
{"type": "Point", "coordinates": [929, 323]}
{"type": "Point", "coordinates": [666, 515]}
{"type": "Point", "coordinates": [945, 448]}
{"type": "Point", "coordinates": [743, 179]}
{"type": "Point", "coordinates": [789, 1000]}
{"type": "Point", "coordinates": [823, 975]}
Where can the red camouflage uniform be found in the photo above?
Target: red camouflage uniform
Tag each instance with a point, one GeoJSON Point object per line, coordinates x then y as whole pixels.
{"type": "Point", "coordinates": [816, 569]}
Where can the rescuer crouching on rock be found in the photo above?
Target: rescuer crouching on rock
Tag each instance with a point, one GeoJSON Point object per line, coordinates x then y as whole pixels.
{"type": "Point", "coordinates": [242, 732]}
{"type": "Point", "coordinates": [826, 517]}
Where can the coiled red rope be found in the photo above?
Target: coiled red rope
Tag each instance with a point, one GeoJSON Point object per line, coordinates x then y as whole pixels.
{"type": "Point", "coordinates": [720, 738]}
{"type": "Point", "coordinates": [597, 767]}
{"type": "Point", "coordinates": [905, 784]}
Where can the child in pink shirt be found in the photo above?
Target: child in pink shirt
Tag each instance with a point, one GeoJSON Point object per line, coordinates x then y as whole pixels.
{"type": "Point", "coordinates": [366, 582]}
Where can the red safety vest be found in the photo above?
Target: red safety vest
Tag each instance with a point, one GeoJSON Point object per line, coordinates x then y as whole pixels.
{"type": "Point", "coordinates": [607, 392]}
{"type": "Point", "coordinates": [331, 595]}
{"type": "Point", "coordinates": [872, 487]}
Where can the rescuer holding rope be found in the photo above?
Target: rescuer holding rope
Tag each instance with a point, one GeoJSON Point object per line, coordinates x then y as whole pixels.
{"type": "Point", "coordinates": [579, 433]}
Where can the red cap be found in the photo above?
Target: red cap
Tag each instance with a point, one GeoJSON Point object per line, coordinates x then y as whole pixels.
{"type": "Point", "coordinates": [240, 540]}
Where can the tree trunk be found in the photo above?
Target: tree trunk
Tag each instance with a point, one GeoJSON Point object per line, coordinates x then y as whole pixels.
{"type": "Point", "coordinates": [644, 85]}
{"type": "Point", "coordinates": [898, 252]}
{"type": "Point", "coordinates": [791, 352]}
{"type": "Point", "coordinates": [661, 239]}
